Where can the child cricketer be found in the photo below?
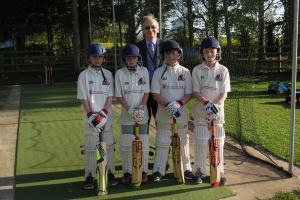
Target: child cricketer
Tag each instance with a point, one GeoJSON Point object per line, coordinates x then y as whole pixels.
{"type": "Point", "coordinates": [210, 86]}
{"type": "Point", "coordinates": [132, 90]}
{"type": "Point", "coordinates": [95, 90]}
{"type": "Point", "coordinates": [171, 87]}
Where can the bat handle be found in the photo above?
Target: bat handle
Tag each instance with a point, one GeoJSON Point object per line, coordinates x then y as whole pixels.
{"type": "Point", "coordinates": [137, 130]}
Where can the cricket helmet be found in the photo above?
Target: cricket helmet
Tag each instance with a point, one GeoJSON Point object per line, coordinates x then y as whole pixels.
{"type": "Point", "coordinates": [168, 45]}
{"type": "Point", "coordinates": [131, 50]}
{"type": "Point", "coordinates": [211, 42]}
{"type": "Point", "coordinates": [96, 50]}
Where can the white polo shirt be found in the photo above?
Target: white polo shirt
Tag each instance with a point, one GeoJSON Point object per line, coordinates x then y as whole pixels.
{"type": "Point", "coordinates": [132, 86]}
{"type": "Point", "coordinates": [95, 87]}
{"type": "Point", "coordinates": [210, 82]}
{"type": "Point", "coordinates": [172, 83]}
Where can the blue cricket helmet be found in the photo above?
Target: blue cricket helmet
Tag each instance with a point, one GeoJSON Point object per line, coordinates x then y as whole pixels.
{"type": "Point", "coordinates": [211, 42]}
{"type": "Point", "coordinates": [96, 50]}
{"type": "Point", "coordinates": [131, 50]}
{"type": "Point", "coordinates": [168, 45]}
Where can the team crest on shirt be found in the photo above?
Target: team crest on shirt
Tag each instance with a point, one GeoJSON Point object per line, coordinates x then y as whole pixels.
{"type": "Point", "coordinates": [202, 77]}
{"type": "Point", "coordinates": [141, 81]}
{"type": "Point", "coordinates": [126, 83]}
{"type": "Point", "coordinates": [181, 77]}
{"type": "Point", "coordinates": [219, 77]}
{"type": "Point", "coordinates": [91, 82]}
{"type": "Point", "coordinates": [105, 82]}
{"type": "Point", "coordinates": [164, 86]}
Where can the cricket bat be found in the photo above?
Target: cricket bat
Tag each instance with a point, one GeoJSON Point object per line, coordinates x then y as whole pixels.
{"type": "Point", "coordinates": [137, 158]}
{"type": "Point", "coordinates": [215, 172]}
{"type": "Point", "coordinates": [176, 154]}
{"type": "Point", "coordinates": [101, 175]}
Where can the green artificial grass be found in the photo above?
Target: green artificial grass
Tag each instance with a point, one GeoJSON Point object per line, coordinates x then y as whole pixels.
{"type": "Point", "coordinates": [49, 164]}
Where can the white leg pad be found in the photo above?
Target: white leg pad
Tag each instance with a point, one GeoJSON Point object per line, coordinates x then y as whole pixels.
{"type": "Point", "coordinates": [145, 154]}
{"type": "Point", "coordinates": [111, 159]}
{"type": "Point", "coordinates": [91, 140]}
{"type": "Point", "coordinates": [163, 141]}
{"type": "Point", "coordinates": [200, 136]}
{"type": "Point", "coordinates": [221, 150]}
{"type": "Point", "coordinates": [110, 146]}
{"type": "Point", "coordinates": [185, 149]}
{"type": "Point", "coordinates": [126, 152]}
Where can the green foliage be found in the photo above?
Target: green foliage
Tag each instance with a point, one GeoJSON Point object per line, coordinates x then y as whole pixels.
{"type": "Point", "coordinates": [285, 196]}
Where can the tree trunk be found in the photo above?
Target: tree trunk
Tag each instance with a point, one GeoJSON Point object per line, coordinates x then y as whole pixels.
{"type": "Point", "coordinates": [131, 36]}
{"type": "Point", "coordinates": [288, 22]}
{"type": "Point", "coordinates": [49, 33]}
{"type": "Point", "coordinates": [227, 24]}
{"type": "Point", "coordinates": [261, 31]}
{"type": "Point", "coordinates": [215, 18]}
{"type": "Point", "coordinates": [84, 25]}
{"type": "Point", "coordinates": [76, 37]}
{"type": "Point", "coordinates": [190, 22]}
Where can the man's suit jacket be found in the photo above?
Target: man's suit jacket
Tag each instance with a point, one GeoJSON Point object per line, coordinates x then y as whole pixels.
{"type": "Point", "coordinates": [143, 49]}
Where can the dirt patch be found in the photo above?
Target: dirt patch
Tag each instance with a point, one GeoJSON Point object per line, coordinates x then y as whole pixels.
{"type": "Point", "coordinates": [9, 119]}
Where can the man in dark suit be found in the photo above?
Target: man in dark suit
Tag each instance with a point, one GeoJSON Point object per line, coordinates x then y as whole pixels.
{"type": "Point", "coordinates": [149, 48]}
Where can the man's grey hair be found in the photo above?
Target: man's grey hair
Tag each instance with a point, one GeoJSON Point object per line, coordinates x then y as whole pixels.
{"type": "Point", "coordinates": [150, 17]}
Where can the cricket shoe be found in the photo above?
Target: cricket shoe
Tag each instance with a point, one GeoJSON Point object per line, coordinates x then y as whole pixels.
{"type": "Point", "coordinates": [112, 181]}
{"type": "Point", "coordinates": [198, 177]}
{"type": "Point", "coordinates": [223, 180]}
{"type": "Point", "coordinates": [126, 180]}
{"type": "Point", "coordinates": [144, 177]}
{"type": "Point", "coordinates": [188, 175]}
{"type": "Point", "coordinates": [157, 176]}
{"type": "Point", "coordinates": [89, 183]}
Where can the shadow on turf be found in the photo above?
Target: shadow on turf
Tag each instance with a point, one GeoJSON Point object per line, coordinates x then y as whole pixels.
{"type": "Point", "coordinates": [71, 190]}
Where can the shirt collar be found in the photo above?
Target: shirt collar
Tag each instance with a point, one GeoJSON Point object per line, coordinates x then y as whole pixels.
{"type": "Point", "coordinates": [149, 42]}
{"type": "Point", "coordinates": [137, 71]}
{"type": "Point", "coordinates": [169, 67]}
{"type": "Point", "coordinates": [93, 70]}
{"type": "Point", "coordinates": [210, 68]}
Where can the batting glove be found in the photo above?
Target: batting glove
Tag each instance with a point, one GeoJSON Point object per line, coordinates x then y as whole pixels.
{"type": "Point", "coordinates": [98, 122]}
{"type": "Point", "coordinates": [173, 108]}
{"type": "Point", "coordinates": [211, 108]}
{"type": "Point", "coordinates": [139, 115]}
{"type": "Point", "coordinates": [131, 112]}
{"type": "Point", "coordinates": [90, 118]}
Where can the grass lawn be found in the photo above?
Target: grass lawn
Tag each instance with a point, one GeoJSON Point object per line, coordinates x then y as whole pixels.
{"type": "Point", "coordinates": [285, 196]}
{"type": "Point", "coordinates": [49, 164]}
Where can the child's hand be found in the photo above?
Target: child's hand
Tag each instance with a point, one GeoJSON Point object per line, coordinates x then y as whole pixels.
{"type": "Point", "coordinates": [173, 108]}
{"type": "Point", "coordinates": [211, 108]}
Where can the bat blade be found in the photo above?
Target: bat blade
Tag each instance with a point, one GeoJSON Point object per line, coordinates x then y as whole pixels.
{"type": "Point", "coordinates": [137, 147]}
{"type": "Point", "coordinates": [136, 162]}
{"type": "Point", "coordinates": [215, 168]}
{"type": "Point", "coordinates": [102, 177]}
{"type": "Point", "coordinates": [177, 155]}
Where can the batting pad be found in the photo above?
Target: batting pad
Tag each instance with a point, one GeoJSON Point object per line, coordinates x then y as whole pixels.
{"type": "Point", "coordinates": [126, 152]}
{"type": "Point", "coordinates": [145, 154]}
{"type": "Point", "coordinates": [90, 154]}
{"type": "Point", "coordinates": [184, 141]}
{"type": "Point", "coordinates": [163, 142]}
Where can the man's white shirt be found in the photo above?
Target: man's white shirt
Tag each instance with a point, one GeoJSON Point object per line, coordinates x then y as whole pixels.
{"type": "Point", "coordinates": [172, 83]}
{"type": "Point", "coordinates": [210, 83]}
{"type": "Point", "coordinates": [132, 86]}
